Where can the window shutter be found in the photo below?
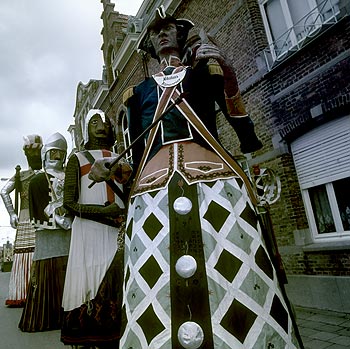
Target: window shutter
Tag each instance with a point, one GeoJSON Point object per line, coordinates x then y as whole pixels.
{"type": "Point", "coordinates": [323, 154]}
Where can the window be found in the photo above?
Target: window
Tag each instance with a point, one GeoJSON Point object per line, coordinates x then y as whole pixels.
{"type": "Point", "coordinates": [113, 57]}
{"type": "Point", "coordinates": [331, 207]}
{"type": "Point", "coordinates": [126, 137]}
{"type": "Point", "coordinates": [322, 162]}
{"type": "Point", "coordinates": [289, 23]}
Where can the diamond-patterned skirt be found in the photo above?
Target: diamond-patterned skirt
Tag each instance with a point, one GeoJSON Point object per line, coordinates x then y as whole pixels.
{"type": "Point", "coordinates": [233, 295]}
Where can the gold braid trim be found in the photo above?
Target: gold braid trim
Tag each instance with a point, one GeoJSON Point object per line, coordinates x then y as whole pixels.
{"type": "Point", "coordinates": [215, 69]}
{"type": "Point", "coordinates": [235, 105]}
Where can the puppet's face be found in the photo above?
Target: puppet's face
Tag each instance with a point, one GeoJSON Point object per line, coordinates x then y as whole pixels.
{"type": "Point", "coordinates": [99, 129]}
{"type": "Point", "coordinates": [33, 157]}
{"type": "Point", "coordinates": [54, 159]}
{"type": "Point", "coordinates": [164, 39]}
{"type": "Point", "coordinates": [54, 153]}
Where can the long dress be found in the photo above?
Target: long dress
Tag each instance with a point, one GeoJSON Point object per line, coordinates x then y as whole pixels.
{"type": "Point", "coordinates": [197, 271]}
{"type": "Point", "coordinates": [43, 311]}
{"type": "Point", "coordinates": [23, 248]}
{"type": "Point", "coordinates": [90, 299]}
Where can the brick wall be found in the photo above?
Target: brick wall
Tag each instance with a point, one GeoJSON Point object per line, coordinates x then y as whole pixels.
{"type": "Point", "coordinates": [325, 75]}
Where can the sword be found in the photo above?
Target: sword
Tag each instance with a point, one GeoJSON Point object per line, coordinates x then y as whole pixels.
{"type": "Point", "coordinates": [18, 186]}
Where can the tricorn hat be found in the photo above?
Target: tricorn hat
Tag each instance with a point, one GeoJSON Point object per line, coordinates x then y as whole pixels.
{"type": "Point", "coordinates": [160, 19]}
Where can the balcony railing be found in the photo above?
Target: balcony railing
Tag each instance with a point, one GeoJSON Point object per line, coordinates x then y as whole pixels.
{"type": "Point", "coordinates": [326, 14]}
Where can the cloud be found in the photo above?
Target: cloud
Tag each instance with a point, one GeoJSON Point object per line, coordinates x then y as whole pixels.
{"type": "Point", "coordinates": [46, 50]}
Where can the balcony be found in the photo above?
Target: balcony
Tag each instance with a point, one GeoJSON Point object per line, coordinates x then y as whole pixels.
{"type": "Point", "coordinates": [311, 25]}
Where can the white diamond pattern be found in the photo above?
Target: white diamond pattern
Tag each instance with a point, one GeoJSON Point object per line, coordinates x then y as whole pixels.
{"type": "Point", "coordinates": [214, 244]}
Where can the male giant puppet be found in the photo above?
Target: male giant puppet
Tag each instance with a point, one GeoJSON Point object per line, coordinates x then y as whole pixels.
{"type": "Point", "coordinates": [197, 271]}
{"type": "Point", "coordinates": [92, 290]}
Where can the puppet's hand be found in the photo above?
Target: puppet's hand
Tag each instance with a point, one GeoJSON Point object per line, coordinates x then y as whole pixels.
{"type": "Point", "coordinates": [100, 170]}
{"type": "Point", "coordinates": [113, 211]}
{"type": "Point", "coordinates": [210, 51]}
{"type": "Point", "coordinates": [209, 48]}
{"type": "Point", "coordinates": [13, 220]}
{"type": "Point", "coordinates": [121, 172]}
{"type": "Point", "coordinates": [64, 222]}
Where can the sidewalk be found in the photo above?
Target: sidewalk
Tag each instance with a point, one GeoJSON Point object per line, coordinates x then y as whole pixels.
{"type": "Point", "coordinates": [11, 337]}
{"type": "Point", "coordinates": [322, 329]}
{"type": "Point", "coordinates": [319, 329]}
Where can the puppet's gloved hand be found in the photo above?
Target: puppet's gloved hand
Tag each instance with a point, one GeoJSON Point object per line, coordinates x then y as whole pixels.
{"type": "Point", "coordinates": [101, 170]}
{"type": "Point", "coordinates": [13, 220]}
{"type": "Point", "coordinates": [112, 210]}
{"type": "Point", "coordinates": [121, 171]}
{"type": "Point", "coordinates": [114, 213]}
{"type": "Point", "coordinates": [210, 51]}
{"type": "Point", "coordinates": [64, 222]}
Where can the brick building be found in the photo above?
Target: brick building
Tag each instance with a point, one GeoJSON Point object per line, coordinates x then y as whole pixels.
{"type": "Point", "coordinates": [292, 60]}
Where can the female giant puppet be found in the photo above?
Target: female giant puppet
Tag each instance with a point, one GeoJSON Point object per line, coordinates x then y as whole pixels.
{"type": "Point", "coordinates": [25, 232]}
{"type": "Point", "coordinates": [197, 271]}
{"type": "Point", "coordinates": [42, 311]}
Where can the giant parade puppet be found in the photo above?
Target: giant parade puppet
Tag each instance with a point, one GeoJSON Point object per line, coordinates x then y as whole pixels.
{"type": "Point", "coordinates": [92, 291]}
{"type": "Point", "coordinates": [197, 271]}
{"type": "Point", "coordinates": [42, 311]}
{"type": "Point", "coordinates": [19, 219]}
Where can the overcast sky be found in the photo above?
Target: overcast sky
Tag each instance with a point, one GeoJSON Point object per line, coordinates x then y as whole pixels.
{"type": "Point", "coordinates": [47, 48]}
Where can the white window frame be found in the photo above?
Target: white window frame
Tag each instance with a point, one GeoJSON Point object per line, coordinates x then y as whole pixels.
{"type": "Point", "coordinates": [322, 157]}
{"type": "Point", "coordinates": [295, 43]}
{"type": "Point", "coordinates": [339, 230]}
{"type": "Point", "coordinates": [114, 70]}
{"type": "Point", "coordinates": [126, 136]}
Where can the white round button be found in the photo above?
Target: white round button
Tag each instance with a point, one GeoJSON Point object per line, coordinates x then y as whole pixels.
{"type": "Point", "coordinates": [190, 335]}
{"type": "Point", "coordinates": [186, 266]}
{"type": "Point", "coordinates": [182, 205]}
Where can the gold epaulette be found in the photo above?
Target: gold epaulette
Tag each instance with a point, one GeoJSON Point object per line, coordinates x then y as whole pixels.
{"type": "Point", "coordinates": [128, 93]}
{"type": "Point", "coordinates": [215, 69]}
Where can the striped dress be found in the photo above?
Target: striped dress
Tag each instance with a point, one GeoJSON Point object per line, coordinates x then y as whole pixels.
{"type": "Point", "coordinates": [23, 247]}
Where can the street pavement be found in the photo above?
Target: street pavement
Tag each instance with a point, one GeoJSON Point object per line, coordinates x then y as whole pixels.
{"type": "Point", "coordinates": [11, 337]}
{"type": "Point", "coordinates": [322, 329]}
{"type": "Point", "coordinates": [319, 329]}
